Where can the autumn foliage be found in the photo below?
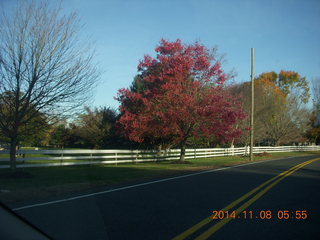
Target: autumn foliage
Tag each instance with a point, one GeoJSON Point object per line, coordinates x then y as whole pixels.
{"type": "Point", "coordinates": [280, 116]}
{"type": "Point", "coordinates": [177, 95]}
{"type": "Point", "coordinates": [289, 82]}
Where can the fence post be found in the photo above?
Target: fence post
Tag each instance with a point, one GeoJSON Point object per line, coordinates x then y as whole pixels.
{"type": "Point", "coordinates": [23, 158]}
{"type": "Point", "coordinates": [61, 158]}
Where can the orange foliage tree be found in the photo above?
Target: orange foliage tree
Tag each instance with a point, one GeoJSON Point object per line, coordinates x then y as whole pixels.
{"type": "Point", "coordinates": [280, 116]}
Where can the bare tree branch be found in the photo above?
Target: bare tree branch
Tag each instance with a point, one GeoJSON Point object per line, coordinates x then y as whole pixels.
{"type": "Point", "coordinates": [43, 67]}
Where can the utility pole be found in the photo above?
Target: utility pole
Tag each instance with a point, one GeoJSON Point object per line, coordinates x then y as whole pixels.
{"type": "Point", "coordinates": [252, 104]}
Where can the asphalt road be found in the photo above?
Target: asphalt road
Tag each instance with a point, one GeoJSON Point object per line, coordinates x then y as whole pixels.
{"type": "Point", "coordinates": [164, 210]}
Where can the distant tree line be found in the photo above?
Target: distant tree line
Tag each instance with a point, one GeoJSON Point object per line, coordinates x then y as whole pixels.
{"type": "Point", "coordinates": [93, 129]}
{"type": "Point", "coordinates": [281, 117]}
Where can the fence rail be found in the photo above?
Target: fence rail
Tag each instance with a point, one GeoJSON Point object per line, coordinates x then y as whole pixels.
{"type": "Point", "coordinates": [43, 158]}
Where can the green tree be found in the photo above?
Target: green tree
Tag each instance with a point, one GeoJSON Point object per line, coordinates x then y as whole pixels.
{"type": "Point", "coordinates": [97, 127]}
{"type": "Point", "coordinates": [33, 124]}
{"type": "Point", "coordinates": [59, 135]}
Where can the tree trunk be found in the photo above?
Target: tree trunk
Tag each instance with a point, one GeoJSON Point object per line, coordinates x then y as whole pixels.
{"type": "Point", "coordinates": [13, 151]}
{"type": "Point", "coordinates": [159, 149]}
{"type": "Point", "coordinates": [182, 152]}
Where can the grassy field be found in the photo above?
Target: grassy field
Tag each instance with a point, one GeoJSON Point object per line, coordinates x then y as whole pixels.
{"type": "Point", "coordinates": [44, 183]}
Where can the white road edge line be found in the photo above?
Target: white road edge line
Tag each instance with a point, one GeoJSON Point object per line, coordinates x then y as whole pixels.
{"type": "Point", "coordinates": [139, 185]}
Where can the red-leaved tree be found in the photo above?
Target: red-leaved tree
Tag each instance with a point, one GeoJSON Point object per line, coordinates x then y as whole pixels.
{"type": "Point", "coordinates": [178, 95]}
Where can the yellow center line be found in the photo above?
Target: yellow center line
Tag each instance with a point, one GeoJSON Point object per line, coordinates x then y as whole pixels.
{"type": "Point", "coordinates": [221, 223]}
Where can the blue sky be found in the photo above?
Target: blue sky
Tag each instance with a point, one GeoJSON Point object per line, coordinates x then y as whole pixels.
{"type": "Point", "coordinates": [285, 35]}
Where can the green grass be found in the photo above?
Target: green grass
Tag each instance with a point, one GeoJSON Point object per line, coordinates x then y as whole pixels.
{"type": "Point", "coordinates": [45, 161]}
{"type": "Point", "coordinates": [48, 182]}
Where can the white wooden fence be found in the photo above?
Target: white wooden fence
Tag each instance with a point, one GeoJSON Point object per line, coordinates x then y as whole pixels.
{"type": "Point", "coordinates": [37, 158]}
